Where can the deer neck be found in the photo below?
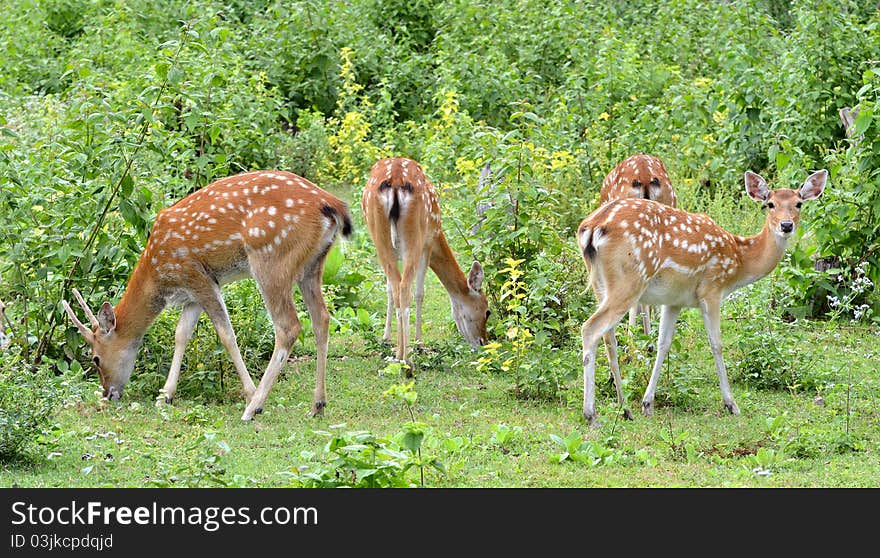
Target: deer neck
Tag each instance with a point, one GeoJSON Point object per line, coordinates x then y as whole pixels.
{"type": "Point", "coordinates": [445, 266]}
{"type": "Point", "coordinates": [760, 254]}
{"type": "Point", "coordinates": [138, 307]}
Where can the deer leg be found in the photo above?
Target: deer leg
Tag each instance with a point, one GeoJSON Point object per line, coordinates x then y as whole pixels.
{"type": "Point", "coordinates": [403, 310]}
{"type": "Point", "coordinates": [711, 310]}
{"type": "Point", "coordinates": [633, 316]}
{"type": "Point", "coordinates": [645, 311]}
{"type": "Point", "coordinates": [189, 317]}
{"type": "Point", "coordinates": [603, 321]}
{"type": "Point", "coordinates": [420, 295]}
{"type": "Point", "coordinates": [277, 297]}
{"type": "Point", "coordinates": [389, 310]}
{"type": "Point", "coordinates": [215, 308]}
{"type": "Point", "coordinates": [310, 286]}
{"type": "Point", "coordinates": [668, 317]}
{"type": "Point", "coordinates": [611, 350]}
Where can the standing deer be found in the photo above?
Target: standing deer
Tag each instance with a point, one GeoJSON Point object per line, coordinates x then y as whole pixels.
{"type": "Point", "coordinates": [641, 250]}
{"type": "Point", "coordinates": [402, 213]}
{"type": "Point", "coordinates": [639, 176]}
{"type": "Point", "coordinates": [273, 226]}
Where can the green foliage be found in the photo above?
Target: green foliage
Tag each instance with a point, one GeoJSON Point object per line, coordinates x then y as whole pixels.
{"type": "Point", "coordinates": [578, 450]}
{"type": "Point", "coordinates": [503, 435]}
{"type": "Point", "coordinates": [28, 401]}
{"type": "Point", "coordinates": [770, 354]}
{"type": "Point", "coordinates": [200, 466]}
{"type": "Point", "coordinates": [357, 459]}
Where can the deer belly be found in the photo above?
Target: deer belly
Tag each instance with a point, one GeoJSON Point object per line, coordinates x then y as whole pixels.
{"type": "Point", "coordinates": [670, 288]}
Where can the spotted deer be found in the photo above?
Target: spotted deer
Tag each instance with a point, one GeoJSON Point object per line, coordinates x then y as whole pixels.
{"type": "Point", "coordinates": [639, 176]}
{"type": "Point", "coordinates": [273, 226]}
{"type": "Point", "coordinates": [402, 214]}
{"type": "Point", "coordinates": [640, 250]}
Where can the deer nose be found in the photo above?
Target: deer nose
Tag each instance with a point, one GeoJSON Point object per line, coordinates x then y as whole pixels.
{"type": "Point", "coordinates": [786, 226]}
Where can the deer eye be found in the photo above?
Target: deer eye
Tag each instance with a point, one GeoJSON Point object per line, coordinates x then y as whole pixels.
{"type": "Point", "coordinates": [771, 205]}
{"type": "Point", "coordinates": [798, 205]}
{"type": "Point", "coordinates": [97, 361]}
{"type": "Point", "coordinates": [488, 313]}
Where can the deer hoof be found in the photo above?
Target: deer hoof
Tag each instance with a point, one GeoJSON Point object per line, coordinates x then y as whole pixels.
{"type": "Point", "coordinates": [627, 414]}
{"type": "Point", "coordinates": [317, 408]}
{"type": "Point", "coordinates": [648, 408]}
{"type": "Point", "coordinates": [732, 408]}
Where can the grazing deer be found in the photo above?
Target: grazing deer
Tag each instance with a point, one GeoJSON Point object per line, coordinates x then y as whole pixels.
{"type": "Point", "coordinates": [273, 226]}
{"type": "Point", "coordinates": [641, 250]}
{"type": "Point", "coordinates": [402, 213]}
{"type": "Point", "coordinates": [639, 176]}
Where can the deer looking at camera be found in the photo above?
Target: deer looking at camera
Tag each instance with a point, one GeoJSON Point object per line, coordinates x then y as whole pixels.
{"type": "Point", "coordinates": [639, 176]}
{"type": "Point", "coordinates": [638, 250]}
{"type": "Point", "coordinates": [402, 213]}
{"type": "Point", "coordinates": [273, 226]}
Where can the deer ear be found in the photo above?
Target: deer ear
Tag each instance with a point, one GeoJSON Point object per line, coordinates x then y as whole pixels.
{"type": "Point", "coordinates": [756, 186]}
{"type": "Point", "coordinates": [475, 277]}
{"type": "Point", "coordinates": [814, 185]}
{"type": "Point", "coordinates": [106, 318]}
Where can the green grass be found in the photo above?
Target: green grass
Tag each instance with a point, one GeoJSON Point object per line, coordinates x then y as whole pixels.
{"type": "Point", "coordinates": [689, 442]}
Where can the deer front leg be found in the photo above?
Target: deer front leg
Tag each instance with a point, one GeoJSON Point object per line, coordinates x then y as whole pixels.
{"type": "Point", "coordinates": [668, 317]}
{"type": "Point", "coordinates": [711, 310]}
{"type": "Point", "coordinates": [189, 317]}
{"type": "Point", "coordinates": [420, 296]}
{"type": "Point", "coordinates": [389, 310]}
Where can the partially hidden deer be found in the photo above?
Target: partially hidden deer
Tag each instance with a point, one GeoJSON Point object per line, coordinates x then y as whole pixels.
{"type": "Point", "coordinates": [639, 176]}
{"type": "Point", "coordinates": [4, 338]}
{"type": "Point", "coordinates": [273, 226]}
{"type": "Point", "coordinates": [638, 250]}
{"type": "Point", "coordinates": [402, 214]}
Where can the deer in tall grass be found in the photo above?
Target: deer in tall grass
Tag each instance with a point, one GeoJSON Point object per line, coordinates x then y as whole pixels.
{"type": "Point", "coordinates": [638, 250]}
{"type": "Point", "coordinates": [273, 226]}
{"type": "Point", "coordinates": [402, 213]}
{"type": "Point", "coordinates": [639, 176]}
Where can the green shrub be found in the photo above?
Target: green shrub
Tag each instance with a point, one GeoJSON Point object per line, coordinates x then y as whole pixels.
{"type": "Point", "coordinates": [28, 400]}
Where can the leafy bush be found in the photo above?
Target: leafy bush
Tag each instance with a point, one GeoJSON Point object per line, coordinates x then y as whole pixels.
{"type": "Point", "coordinates": [357, 459]}
{"type": "Point", "coordinates": [28, 400]}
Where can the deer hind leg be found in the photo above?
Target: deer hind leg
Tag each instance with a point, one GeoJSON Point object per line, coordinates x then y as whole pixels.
{"type": "Point", "coordinates": [610, 339]}
{"type": "Point", "coordinates": [613, 307]}
{"type": "Point", "coordinates": [277, 295]}
{"type": "Point", "coordinates": [310, 286]}
{"type": "Point", "coordinates": [668, 317]}
{"type": "Point", "coordinates": [413, 258]}
{"type": "Point", "coordinates": [211, 300]}
{"type": "Point", "coordinates": [711, 310]}
{"type": "Point", "coordinates": [189, 317]}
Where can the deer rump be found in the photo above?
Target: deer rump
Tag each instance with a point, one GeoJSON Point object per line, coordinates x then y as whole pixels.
{"type": "Point", "coordinates": [395, 197]}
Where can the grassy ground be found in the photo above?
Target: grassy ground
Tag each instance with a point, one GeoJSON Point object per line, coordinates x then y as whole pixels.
{"type": "Point", "coordinates": [783, 438]}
